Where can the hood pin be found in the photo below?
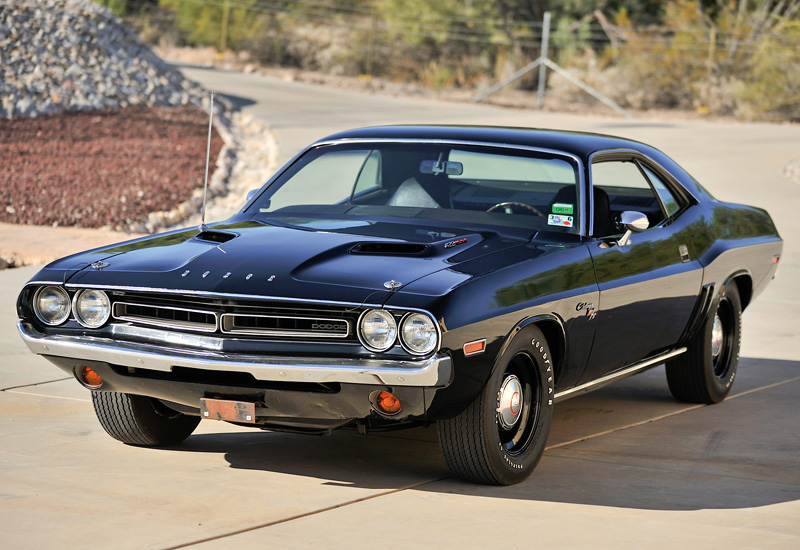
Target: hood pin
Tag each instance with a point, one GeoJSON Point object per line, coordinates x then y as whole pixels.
{"type": "Point", "coordinates": [392, 285]}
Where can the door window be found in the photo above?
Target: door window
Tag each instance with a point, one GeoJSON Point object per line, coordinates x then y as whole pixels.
{"type": "Point", "coordinates": [633, 186]}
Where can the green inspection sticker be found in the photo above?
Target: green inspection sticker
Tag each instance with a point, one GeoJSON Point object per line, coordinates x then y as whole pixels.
{"type": "Point", "coordinates": [561, 208]}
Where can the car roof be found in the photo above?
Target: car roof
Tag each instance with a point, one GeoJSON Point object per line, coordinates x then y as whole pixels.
{"type": "Point", "coordinates": [580, 144]}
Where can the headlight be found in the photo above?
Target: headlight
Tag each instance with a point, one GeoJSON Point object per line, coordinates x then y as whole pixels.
{"type": "Point", "coordinates": [51, 305]}
{"type": "Point", "coordinates": [92, 308]}
{"type": "Point", "coordinates": [378, 330]}
{"type": "Point", "coordinates": [418, 333]}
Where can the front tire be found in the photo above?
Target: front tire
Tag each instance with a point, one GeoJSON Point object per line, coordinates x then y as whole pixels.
{"type": "Point", "coordinates": [139, 420]}
{"type": "Point", "coordinates": [705, 373]}
{"type": "Point", "coordinates": [500, 437]}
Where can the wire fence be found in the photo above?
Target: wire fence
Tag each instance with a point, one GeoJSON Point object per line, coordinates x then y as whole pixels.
{"type": "Point", "coordinates": [494, 32]}
{"type": "Point", "coordinates": [470, 50]}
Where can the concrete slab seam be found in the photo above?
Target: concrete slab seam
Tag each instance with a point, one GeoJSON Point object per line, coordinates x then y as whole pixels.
{"type": "Point", "coordinates": [36, 384]}
{"type": "Point", "coordinates": [584, 458]}
{"type": "Point", "coordinates": [304, 515]}
{"type": "Point", "coordinates": [668, 415]}
{"type": "Point", "coordinates": [17, 392]}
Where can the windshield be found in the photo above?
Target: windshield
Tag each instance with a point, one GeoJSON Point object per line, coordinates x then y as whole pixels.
{"type": "Point", "coordinates": [466, 185]}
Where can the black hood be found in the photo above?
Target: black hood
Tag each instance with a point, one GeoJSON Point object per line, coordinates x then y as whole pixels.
{"type": "Point", "coordinates": [323, 260]}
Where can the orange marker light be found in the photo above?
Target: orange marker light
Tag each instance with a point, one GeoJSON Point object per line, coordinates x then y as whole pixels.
{"type": "Point", "coordinates": [91, 378]}
{"type": "Point", "coordinates": [388, 403]}
{"type": "Point", "coordinates": [478, 346]}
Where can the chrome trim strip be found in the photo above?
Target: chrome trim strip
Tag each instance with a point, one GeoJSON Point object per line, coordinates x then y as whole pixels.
{"type": "Point", "coordinates": [289, 333]}
{"type": "Point", "coordinates": [617, 375]}
{"type": "Point", "coordinates": [434, 372]}
{"type": "Point", "coordinates": [188, 325]}
{"type": "Point", "coordinates": [249, 297]}
{"type": "Point", "coordinates": [642, 157]}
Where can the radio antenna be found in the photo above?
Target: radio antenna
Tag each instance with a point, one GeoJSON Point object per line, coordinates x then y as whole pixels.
{"type": "Point", "coordinates": [208, 154]}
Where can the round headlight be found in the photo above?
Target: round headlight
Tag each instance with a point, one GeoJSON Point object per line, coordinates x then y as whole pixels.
{"type": "Point", "coordinates": [418, 334]}
{"type": "Point", "coordinates": [378, 330]}
{"type": "Point", "coordinates": [92, 308]}
{"type": "Point", "coordinates": [51, 305]}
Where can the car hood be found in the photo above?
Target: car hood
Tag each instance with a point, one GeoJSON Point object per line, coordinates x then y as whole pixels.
{"type": "Point", "coordinates": [324, 262]}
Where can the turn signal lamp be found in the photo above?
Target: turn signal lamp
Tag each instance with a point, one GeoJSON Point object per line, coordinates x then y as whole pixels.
{"type": "Point", "coordinates": [90, 378]}
{"type": "Point", "coordinates": [388, 403]}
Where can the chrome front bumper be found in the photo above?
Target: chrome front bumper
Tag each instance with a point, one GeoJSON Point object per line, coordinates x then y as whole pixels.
{"type": "Point", "coordinates": [435, 372]}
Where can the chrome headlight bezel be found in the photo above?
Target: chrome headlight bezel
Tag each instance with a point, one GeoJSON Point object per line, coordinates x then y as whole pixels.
{"type": "Point", "coordinates": [391, 328]}
{"type": "Point", "coordinates": [432, 344]}
{"type": "Point", "coordinates": [80, 315]}
{"type": "Point", "coordinates": [65, 306]}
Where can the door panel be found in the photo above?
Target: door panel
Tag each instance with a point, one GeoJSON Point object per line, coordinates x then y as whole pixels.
{"type": "Point", "coordinates": [647, 292]}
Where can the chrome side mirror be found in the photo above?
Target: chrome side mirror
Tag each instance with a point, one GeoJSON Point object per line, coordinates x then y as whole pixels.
{"type": "Point", "coordinates": [633, 222]}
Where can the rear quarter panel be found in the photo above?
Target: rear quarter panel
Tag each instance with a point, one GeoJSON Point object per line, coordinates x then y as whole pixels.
{"type": "Point", "coordinates": [738, 240]}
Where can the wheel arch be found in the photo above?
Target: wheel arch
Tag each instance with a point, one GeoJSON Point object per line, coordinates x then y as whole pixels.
{"type": "Point", "coordinates": [744, 284]}
{"type": "Point", "coordinates": [553, 331]}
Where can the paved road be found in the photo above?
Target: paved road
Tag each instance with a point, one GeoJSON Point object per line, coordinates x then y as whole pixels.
{"type": "Point", "coordinates": [627, 466]}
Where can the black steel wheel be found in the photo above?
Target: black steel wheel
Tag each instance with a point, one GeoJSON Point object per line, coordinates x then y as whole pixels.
{"type": "Point", "coordinates": [139, 420]}
{"type": "Point", "coordinates": [705, 373]}
{"type": "Point", "coordinates": [500, 437]}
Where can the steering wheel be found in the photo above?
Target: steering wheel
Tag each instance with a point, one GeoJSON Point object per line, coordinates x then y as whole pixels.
{"type": "Point", "coordinates": [510, 207]}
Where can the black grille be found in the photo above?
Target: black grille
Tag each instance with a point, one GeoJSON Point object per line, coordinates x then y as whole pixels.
{"type": "Point", "coordinates": [240, 318]}
{"type": "Point", "coordinates": [166, 316]}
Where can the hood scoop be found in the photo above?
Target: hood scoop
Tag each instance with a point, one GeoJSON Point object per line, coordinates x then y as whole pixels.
{"type": "Point", "coordinates": [214, 236]}
{"type": "Point", "coordinates": [390, 249]}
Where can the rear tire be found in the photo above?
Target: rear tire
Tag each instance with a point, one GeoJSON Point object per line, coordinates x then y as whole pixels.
{"type": "Point", "coordinates": [139, 420]}
{"type": "Point", "coordinates": [500, 437]}
{"type": "Point", "coordinates": [705, 373]}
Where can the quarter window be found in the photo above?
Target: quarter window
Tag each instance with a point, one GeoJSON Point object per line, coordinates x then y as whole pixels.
{"type": "Point", "coordinates": [671, 204]}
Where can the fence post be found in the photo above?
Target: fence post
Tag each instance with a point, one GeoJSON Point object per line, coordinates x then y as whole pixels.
{"type": "Point", "coordinates": [544, 55]}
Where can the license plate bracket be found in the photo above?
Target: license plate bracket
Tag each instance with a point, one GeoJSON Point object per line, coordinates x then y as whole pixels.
{"type": "Point", "coordinates": [230, 411]}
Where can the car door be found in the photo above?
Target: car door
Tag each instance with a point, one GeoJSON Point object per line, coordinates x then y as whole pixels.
{"type": "Point", "coordinates": [649, 287]}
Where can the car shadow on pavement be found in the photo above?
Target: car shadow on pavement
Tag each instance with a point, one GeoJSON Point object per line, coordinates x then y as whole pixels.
{"type": "Point", "coordinates": [628, 446]}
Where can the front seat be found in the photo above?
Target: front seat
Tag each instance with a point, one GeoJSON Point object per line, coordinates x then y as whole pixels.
{"type": "Point", "coordinates": [411, 193]}
{"type": "Point", "coordinates": [422, 191]}
{"type": "Point", "coordinates": [604, 224]}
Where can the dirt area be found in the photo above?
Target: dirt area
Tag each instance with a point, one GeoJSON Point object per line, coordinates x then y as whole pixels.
{"type": "Point", "coordinates": [101, 168]}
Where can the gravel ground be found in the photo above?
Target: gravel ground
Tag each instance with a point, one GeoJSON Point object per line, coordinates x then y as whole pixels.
{"type": "Point", "coordinates": [101, 168]}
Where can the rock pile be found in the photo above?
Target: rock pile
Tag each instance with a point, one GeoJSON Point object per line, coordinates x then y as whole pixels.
{"type": "Point", "coordinates": [74, 55]}
{"type": "Point", "coordinates": [59, 57]}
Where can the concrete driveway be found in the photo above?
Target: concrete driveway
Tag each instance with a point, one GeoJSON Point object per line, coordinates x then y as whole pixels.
{"type": "Point", "coordinates": [627, 467]}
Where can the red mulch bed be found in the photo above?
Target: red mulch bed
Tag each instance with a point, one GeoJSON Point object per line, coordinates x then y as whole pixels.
{"type": "Point", "coordinates": [99, 168]}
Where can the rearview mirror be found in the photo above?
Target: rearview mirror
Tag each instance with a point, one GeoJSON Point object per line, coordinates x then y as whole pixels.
{"type": "Point", "coordinates": [437, 167]}
{"type": "Point", "coordinates": [633, 222]}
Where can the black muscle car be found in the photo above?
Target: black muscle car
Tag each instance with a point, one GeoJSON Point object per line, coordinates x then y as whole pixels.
{"type": "Point", "coordinates": [398, 276]}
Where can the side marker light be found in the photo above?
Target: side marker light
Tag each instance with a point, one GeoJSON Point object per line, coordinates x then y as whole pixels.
{"type": "Point", "coordinates": [473, 348]}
